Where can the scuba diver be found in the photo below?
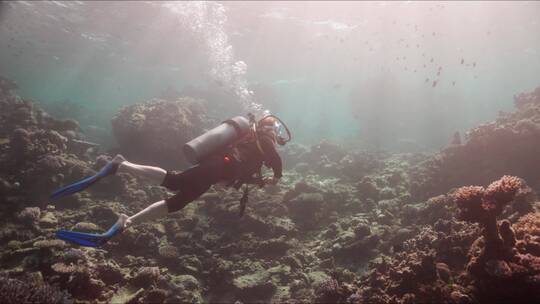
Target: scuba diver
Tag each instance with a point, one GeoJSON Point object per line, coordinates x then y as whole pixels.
{"type": "Point", "coordinates": [232, 153]}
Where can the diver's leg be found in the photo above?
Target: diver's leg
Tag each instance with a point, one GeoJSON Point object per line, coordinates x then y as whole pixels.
{"type": "Point", "coordinates": [162, 208]}
{"type": "Point", "coordinates": [155, 211]}
{"type": "Point", "coordinates": [154, 174]}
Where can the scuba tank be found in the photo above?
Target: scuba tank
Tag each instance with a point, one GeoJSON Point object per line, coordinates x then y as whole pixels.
{"type": "Point", "coordinates": [216, 139]}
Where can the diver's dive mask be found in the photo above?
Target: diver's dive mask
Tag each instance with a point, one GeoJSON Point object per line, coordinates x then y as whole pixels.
{"type": "Point", "coordinates": [275, 125]}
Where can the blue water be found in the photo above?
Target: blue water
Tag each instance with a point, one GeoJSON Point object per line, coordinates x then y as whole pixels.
{"type": "Point", "coordinates": [349, 72]}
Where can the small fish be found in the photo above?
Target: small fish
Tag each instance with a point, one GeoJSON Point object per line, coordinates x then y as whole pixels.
{"type": "Point", "coordinates": [427, 80]}
{"type": "Point", "coordinates": [473, 64]}
{"type": "Point", "coordinates": [440, 68]}
{"type": "Point", "coordinates": [439, 73]}
{"type": "Point", "coordinates": [434, 84]}
{"type": "Point", "coordinates": [462, 61]}
{"type": "Point", "coordinates": [453, 83]}
{"type": "Point", "coordinates": [431, 59]}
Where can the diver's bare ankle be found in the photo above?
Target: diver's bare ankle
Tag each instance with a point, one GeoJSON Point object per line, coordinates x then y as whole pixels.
{"type": "Point", "coordinates": [123, 220]}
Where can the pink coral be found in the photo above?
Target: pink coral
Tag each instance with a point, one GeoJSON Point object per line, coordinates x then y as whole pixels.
{"type": "Point", "coordinates": [469, 201]}
{"type": "Point", "coordinates": [528, 224]}
{"type": "Point", "coordinates": [481, 205]}
{"type": "Point", "coordinates": [500, 192]}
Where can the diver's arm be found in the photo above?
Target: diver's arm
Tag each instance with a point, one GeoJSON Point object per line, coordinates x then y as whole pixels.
{"type": "Point", "coordinates": [271, 157]}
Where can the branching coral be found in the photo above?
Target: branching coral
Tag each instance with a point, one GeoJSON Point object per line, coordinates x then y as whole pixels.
{"type": "Point", "coordinates": [506, 256]}
{"type": "Point", "coordinates": [481, 205]}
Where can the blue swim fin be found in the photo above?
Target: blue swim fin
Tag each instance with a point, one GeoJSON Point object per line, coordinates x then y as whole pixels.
{"type": "Point", "coordinates": [83, 184]}
{"type": "Point", "coordinates": [89, 239]}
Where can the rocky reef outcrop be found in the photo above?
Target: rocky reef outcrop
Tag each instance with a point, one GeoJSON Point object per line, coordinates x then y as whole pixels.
{"type": "Point", "coordinates": [37, 151]}
{"type": "Point", "coordinates": [154, 131]}
{"type": "Point", "coordinates": [508, 145]}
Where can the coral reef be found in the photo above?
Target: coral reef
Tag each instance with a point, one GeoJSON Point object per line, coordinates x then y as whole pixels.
{"type": "Point", "coordinates": [155, 131]}
{"type": "Point", "coordinates": [13, 291]}
{"type": "Point", "coordinates": [481, 205]}
{"type": "Point", "coordinates": [342, 225]}
{"type": "Point", "coordinates": [507, 146]}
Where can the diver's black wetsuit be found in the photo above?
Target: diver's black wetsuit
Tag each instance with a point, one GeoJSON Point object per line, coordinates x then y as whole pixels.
{"type": "Point", "coordinates": [238, 165]}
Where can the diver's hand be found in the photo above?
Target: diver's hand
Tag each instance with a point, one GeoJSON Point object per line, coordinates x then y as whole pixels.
{"type": "Point", "coordinates": [271, 180]}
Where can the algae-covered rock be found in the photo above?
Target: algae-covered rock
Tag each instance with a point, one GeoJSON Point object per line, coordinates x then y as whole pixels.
{"type": "Point", "coordinates": [86, 227]}
{"type": "Point", "coordinates": [154, 131]}
{"type": "Point", "coordinates": [50, 244]}
{"type": "Point", "coordinates": [255, 286]}
{"type": "Point", "coordinates": [307, 209]}
{"type": "Point", "coordinates": [316, 278]}
{"type": "Point", "coordinates": [29, 215]}
{"type": "Point", "coordinates": [146, 276]}
{"type": "Point", "coordinates": [48, 220]}
{"type": "Point", "coordinates": [187, 289]}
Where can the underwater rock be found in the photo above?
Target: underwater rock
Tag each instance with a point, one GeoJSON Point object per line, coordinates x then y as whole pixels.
{"type": "Point", "coordinates": [154, 132]}
{"type": "Point", "coordinates": [59, 244]}
{"type": "Point", "coordinates": [109, 272]}
{"type": "Point", "coordinates": [48, 220]}
{"type": "Point", "coordinates": [307, 209]}
{"type": "Point", "coordinates": [168, 252]}
{"type": "Point", "coordinates": [254, 286]}
{"type": "Point", "coordinates": [30, 215]}
{"type": "Point", "coordinates": [276, 247]}
{"type": "Point", "coordinates": [368, 189]}
{"type": "Point", "coordinates": [86, 227]}
{"type": "Point", "coordinates": [146, 276]}
{"type": "Point", "coordinates": [14, 291]}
